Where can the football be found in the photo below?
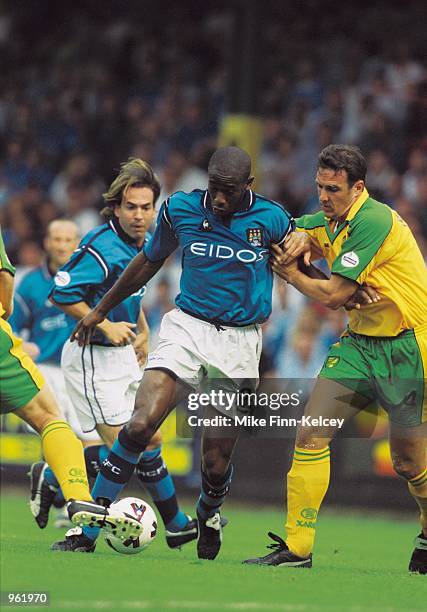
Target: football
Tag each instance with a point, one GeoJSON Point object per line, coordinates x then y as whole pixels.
{"type": "Point", "coordinates": [141, 511]}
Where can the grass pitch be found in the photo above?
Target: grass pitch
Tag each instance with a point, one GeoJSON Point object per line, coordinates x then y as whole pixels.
{"type": "Point", "coordinates": [359, 564]}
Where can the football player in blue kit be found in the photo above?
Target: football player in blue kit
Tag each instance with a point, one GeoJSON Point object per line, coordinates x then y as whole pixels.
{"type": "Point", "coordinates": [103, 377]}
{"type": "Point", "coordinates": [214, 333]}
{"type": "Point", "coordinates": [45, 327]}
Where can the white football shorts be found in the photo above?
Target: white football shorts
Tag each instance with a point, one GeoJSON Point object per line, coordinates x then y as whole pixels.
{"type": "Point", "coordinates": [196, 351]}
{"type": "Point", "coordinates": [55, 379]}
{"type": "Point", "coordinates": [102, 382]}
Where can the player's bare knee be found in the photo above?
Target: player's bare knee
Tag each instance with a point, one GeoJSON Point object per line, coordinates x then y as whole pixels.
{"type": "Point", "coordinates": [35, 418]}
{"type": "Point", "coordinates": [215, 465]}
{"type": "Point", "coordinates": [406, 468]}
{"type": "Point", "coordinates": [40, 411]}
{"type": "Point", "coordinates": [216, 473]}
{"type": "Point", "coordinates": [46, 404]}
{"type": "Point", "coordinates": [141, 428]}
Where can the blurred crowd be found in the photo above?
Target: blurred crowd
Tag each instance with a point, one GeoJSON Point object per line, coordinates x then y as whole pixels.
{"type": "Point", "coordinates": [99, 88]}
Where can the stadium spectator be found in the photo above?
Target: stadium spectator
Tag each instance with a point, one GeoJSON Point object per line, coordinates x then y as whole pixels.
{"type": "Point", "coordinates": [179, 175]}
{"type": "Point", "coordinates": [91, 96]}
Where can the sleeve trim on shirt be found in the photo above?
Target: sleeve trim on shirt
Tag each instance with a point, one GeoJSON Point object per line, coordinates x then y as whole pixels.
{"type": "Point", "coordinates": [290, 229]}
{"type": "Point", "coordinates": [154, 260]}
{"type": "Point", "coordinates": [65, 302]}
{"type": "Point", "coordinates": [166, 215]}
{"type": "Point", "coordinates": [11, 272]}
{"type": "Point", "coordinates": [99, 259]}
{"type": "Point", "coordinates": [341, 273]}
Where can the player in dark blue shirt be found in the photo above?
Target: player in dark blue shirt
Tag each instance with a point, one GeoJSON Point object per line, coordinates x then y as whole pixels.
{"type": "Point", "coordinates": [214, 334]}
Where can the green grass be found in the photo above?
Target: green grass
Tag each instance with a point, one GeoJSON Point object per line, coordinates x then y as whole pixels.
{"type": "Point", "coordinates": [360, 563]}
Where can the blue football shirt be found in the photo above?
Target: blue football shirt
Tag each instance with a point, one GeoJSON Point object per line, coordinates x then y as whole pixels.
{"type": "Point", "coordinates": [226, 276]}
{"type": "Point", "coordinates": [92, 270]}
{"type": "Point", "coordinates": [47, 326]}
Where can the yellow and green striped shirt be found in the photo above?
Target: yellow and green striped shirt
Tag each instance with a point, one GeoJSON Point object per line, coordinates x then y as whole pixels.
{"type": "Point", "coordinates": [375, 246]}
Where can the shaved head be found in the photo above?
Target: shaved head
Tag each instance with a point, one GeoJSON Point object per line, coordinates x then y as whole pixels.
{"type": "Point", "coordinates": [230, 162]}
{"type": "Point", "coordinates": [229, 174]}
{"type": "Point", "coordinates": [62, 237]}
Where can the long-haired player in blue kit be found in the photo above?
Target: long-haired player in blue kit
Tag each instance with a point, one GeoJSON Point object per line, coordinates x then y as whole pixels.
{"type": "Point", "coordinates": [102, 378]}
{"type": "Point", "coordinates": [214, 333]}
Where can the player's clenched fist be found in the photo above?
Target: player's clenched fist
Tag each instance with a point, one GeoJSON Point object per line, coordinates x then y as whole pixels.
{"type": "Point", "coordinates": [296, 244]}
{"type": "Point", "coordinates": [119, 333]}
{"type": "Point", "coordinates": [281, 263]}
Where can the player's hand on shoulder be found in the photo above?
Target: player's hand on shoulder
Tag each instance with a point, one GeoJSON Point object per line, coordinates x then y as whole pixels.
{"type": "Point", "coordinates": [281, 264]}
{"type": "Point", "coordinates": [364, 295]}
{"type": "Point", "coordinates": [119, 333]}
{"type": "Point", "coordinates": [83, 331]}
{"type": "Point", "coordinates": [295, 245]}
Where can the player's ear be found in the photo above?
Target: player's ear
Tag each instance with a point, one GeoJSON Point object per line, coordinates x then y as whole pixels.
{"type": "Point", "coordinates": [250, 181]}
{"type": "Point", "coordinates": [359, 186]}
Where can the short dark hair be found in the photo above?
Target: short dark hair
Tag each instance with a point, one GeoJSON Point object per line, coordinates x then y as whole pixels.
{"type": "Point", "coordinates": [232, 161]}
{"type": "Point", "coordinates": [344, 157]}
{"type": "Point", "coordinates": [133, 173]}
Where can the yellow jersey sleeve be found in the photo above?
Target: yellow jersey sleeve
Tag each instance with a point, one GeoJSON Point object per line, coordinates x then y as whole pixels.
{"type": "Point", "coordinates": [314, 226]}
{"type": "Point", "coordinates": [366, 234]}
{"type": "Point", "coordinates": [4, 259]}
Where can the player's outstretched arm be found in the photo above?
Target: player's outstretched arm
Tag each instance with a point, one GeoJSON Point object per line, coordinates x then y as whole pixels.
{"type": "Point", "coordinates": [136, 275]}
{"type": "Point", "coordinates": [333, 292]}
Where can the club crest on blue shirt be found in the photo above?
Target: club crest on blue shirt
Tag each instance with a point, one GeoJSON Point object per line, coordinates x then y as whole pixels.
{"type": "Point", "coordinates": [254, 236]}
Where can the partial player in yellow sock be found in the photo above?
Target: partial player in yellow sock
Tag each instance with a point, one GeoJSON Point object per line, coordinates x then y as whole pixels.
{"type": "Point", "coordinates": [63, 451]}
{"type": "Point", "coordinates": [307, 483]}
{"type": "Point", "coordinates": [418, 489]}
{"type": "Point", "coordinates": [25, 393]}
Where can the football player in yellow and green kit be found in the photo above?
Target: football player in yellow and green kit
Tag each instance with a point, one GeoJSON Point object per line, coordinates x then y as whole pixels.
{"type": "Point", "coordinates": [23, 391]}
{"type": "Point", "coordinates": [381, 358]}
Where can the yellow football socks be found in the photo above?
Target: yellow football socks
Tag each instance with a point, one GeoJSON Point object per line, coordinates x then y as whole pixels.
{"type": "Point", "coordinates": [308, 482]}
{"type": "Point", "coordinates": [418, 489]}
{"type": "Point", "coordinates": [63, 451]}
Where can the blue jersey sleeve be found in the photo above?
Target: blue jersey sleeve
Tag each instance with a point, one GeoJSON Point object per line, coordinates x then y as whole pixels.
{"type": "Point", "coordinates": [164, 240]}
{"type": "Point", "coordinates": [85, 271]}
{"type": "Point", "coordinates": [283, 224]}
